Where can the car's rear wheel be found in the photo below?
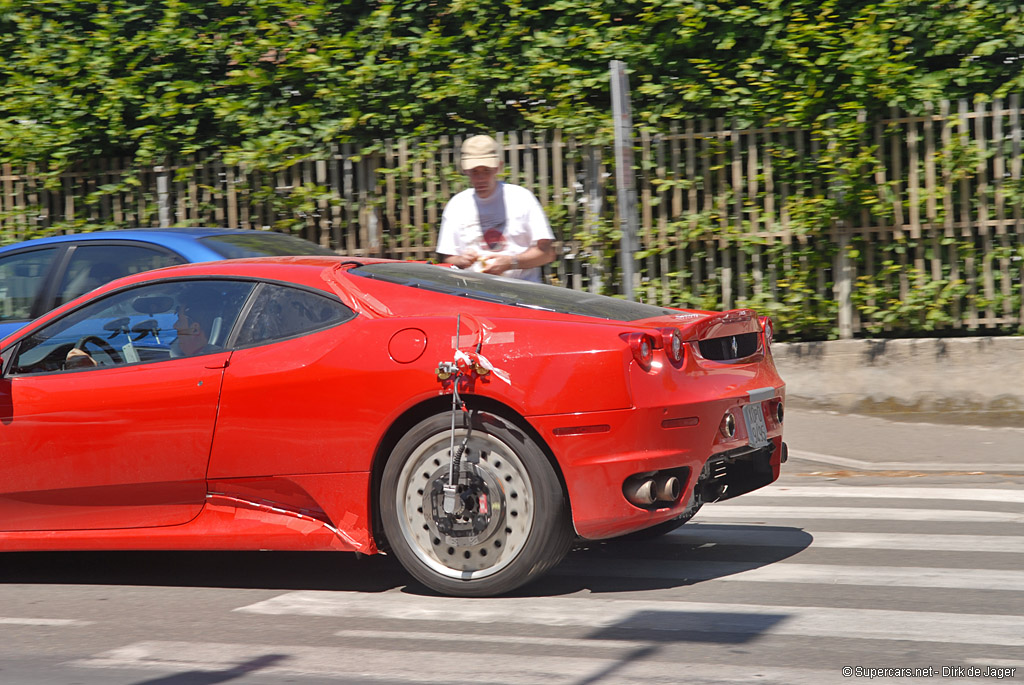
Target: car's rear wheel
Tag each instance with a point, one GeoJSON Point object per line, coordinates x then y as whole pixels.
{"type": "Point", "coordinates": [510, 522]}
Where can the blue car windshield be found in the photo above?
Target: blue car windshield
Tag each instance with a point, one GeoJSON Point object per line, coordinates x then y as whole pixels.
{"type": "Point", "coordinates": [509, 291]}
{"type": "Point", "coordinates": [236, 246]}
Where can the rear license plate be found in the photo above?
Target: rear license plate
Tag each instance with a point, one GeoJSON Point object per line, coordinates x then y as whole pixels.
{"type": "Point", "coordinates": [757, 431]}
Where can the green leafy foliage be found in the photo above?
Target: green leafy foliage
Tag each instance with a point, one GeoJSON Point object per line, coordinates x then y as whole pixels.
{"type": "Point", "coordinates": [251, 79]}
{"type": "Point", "coordinates": [265, 84]}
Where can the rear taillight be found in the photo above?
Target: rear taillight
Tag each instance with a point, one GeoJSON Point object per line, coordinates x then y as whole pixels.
{"type": "Point", "coordinates": [642, 346]}
{"type": "Point", "coordinates": [768, 328]}
{"type": "Point", "coordinates": [672, 340]}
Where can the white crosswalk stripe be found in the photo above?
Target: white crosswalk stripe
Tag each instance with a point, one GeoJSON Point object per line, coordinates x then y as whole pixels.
{"type": "Point", "coordinates": [49, 622]}
{"type": "Point", "coordinates": [822, 574]}
{"type": "Point", "coordinates": [730, 510]}
{"type": "Point", "coordinates": [440, 666]}
{"type": "Point", "coordinates": [663, 616]}
{"type": "Point", "coordinates": [719, 534]}
{"type": "Point", "coordinates": [760, 571]}
{"type": "Point", "coordinates": [888, 492]}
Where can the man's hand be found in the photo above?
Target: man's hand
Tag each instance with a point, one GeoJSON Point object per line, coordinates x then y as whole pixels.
{"type": "Point", "coordinates": [499, 264]}
{"type": "Point", "coordinates": [78, 359]}
{"type": "Point", "coordinates": [464, 260]}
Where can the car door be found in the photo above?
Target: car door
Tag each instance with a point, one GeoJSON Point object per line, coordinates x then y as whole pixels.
{"type": "Point", "coordinates": [280, 413]}
{"type": "Point", "coordinates": [121, 439]}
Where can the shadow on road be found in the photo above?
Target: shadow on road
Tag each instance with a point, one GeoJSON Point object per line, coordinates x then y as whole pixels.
{"type": "Point", "coordinates": [214, 677]}
{"type": "Point", "coordinates": [690, 555]}
{"type": "Point", "coordinates": [249, 570]}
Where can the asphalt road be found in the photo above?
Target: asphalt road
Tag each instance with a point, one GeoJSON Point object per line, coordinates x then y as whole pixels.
{"type": "Point", "coordinates": [883, 546]}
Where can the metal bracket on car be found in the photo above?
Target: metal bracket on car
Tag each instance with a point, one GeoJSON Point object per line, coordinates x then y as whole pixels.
{"type": "Point", "coordinates": [450, 370]}
{"type": "Point", "coordinates": [464, 366]}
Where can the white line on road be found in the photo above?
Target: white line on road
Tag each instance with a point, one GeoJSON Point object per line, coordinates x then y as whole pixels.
{"type": "Point", "coordinates": [483, 638]}
{"type": "Point", "coordinates": [669, 616]}
{"type": "Point", "coordinates": [43, 621]}
{"type": "Point", "coordinates": [639, 665]}
{"type": "Point", "coordinates": [719, 534]}
{"type": "Point", "coordinates": [887, 492]}
{"type": "Point", "coordinates": [737, 510]}
{"type": "Point", "coordinates": [804, 574]}
{"type": "Point", "coordinates": [859, 465]}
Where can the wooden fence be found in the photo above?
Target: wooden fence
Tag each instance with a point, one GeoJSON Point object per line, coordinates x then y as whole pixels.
{"type": "Point", "coordinates": [907, 223]}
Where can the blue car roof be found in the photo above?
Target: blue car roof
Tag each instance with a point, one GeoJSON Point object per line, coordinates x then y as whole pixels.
{"type": "Point", "coordinates": [184, 240]}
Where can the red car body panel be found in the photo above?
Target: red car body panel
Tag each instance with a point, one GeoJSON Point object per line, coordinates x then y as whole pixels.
{"type": "Point", "coordinates": [276, 446]}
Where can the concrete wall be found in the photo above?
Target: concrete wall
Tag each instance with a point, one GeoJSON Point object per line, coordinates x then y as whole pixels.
{"type": "Point", "coordinates": [941, 379]}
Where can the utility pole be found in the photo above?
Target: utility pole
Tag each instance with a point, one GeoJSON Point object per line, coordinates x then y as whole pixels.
{"type": "Point", "coordinates": [625, 181]}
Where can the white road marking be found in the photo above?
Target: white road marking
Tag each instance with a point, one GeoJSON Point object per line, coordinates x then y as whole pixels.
{"type": "Point", "coordinates": [483, 638]}
{"type": "Point", "coordinates": [789, 572]}
{"type": "Point", "coordinates": [638, 665]}
{"type": "Point", "coordinates": [998, 663]}
{"type": "Point", "coordinates": [922, 466]}
{"type": "Point", "coordinates": [886, 492]}
{"type": "Point", "coordinates": [43, 621]}
{"type": "Point", "coordinates": [712, 533]}
{"type": "Point", "coordinates": [729, 510]}
{"type": "Point", "coordinates": [673, 617]}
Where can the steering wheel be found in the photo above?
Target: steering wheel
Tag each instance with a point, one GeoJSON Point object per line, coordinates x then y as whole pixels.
{"type": "Point", "coordinates": [104, 346]}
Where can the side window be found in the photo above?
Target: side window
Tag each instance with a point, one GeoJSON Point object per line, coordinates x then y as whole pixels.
{"type": "Point", "coordinates": [21, 278]}
{"type": "Point", "coordinates": [149, 323]}
{"type": "Point", "coordinates": [91, 266]}
{"type": "Point", "coordinates": [281, 312]}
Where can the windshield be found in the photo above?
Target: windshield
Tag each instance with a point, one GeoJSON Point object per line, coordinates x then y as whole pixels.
{"type": "Point", "coordinates": [509, 291]}
{"type": "Point", "coordinates": [235, 246]}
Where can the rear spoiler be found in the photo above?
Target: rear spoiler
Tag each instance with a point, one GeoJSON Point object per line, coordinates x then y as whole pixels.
{"type": "Point", "coordinates": [706, 325]}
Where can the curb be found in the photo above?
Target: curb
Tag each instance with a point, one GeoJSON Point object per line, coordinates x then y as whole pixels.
{"type": "Point", "coordinates": [947, 380]}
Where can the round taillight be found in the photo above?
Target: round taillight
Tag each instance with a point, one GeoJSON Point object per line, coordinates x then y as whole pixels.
{"type": "Point", "coordinates": [673, 342]}
{"type": "Point", "coordinates": [769, 330]}
{"type": "Point", "coordinates": [646, 349]}
{"type": "Point", "coordinates": [642, 346]}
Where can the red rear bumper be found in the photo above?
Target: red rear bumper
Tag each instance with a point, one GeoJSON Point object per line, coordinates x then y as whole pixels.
{"type": "Point", "coordinates": [599, 451]}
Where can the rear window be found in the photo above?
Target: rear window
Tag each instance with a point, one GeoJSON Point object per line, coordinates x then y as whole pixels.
{"type": "Point", "coordinates": [262, 245]}
{"type": "Point", "coordinates": [509, 291]}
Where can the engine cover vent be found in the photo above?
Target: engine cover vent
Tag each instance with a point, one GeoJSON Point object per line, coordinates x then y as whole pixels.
{"type": "Point", "coordinates": [729, 347]}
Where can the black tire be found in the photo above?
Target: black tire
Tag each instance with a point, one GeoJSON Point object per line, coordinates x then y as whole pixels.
{"type": "Point", "coordinates": [516, 524]}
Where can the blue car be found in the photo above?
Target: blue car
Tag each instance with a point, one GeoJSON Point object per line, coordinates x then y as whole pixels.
{"type": "Point", "coordinates": [39, 275]}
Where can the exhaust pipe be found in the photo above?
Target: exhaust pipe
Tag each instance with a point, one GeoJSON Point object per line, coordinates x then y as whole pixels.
{"type": "Point", "coordinates": [667, 488]}
{"type": "Point", "coordinates": [640, 492]}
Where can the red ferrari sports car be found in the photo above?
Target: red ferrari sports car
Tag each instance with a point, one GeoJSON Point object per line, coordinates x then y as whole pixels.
{"type": "Point", "coordinates": [473, 426]}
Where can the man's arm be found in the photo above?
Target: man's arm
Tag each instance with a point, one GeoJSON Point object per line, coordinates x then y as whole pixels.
{"type": "Point", "coordinates": [463, 261]}
{"type": "Point", "coordinates": [536, 255]}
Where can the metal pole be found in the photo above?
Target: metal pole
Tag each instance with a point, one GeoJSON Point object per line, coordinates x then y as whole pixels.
{"type": "Point", "coordinates": [624, 177]}
{"type": "Point", "coordinates": [162, 196]}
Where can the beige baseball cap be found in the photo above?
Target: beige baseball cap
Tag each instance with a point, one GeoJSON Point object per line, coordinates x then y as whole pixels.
{"type": "Point", "coordinates": [480, 151]}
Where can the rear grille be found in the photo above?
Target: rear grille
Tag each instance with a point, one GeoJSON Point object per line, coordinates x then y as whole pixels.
{"type": "Point", "coordinates": [729, 347]}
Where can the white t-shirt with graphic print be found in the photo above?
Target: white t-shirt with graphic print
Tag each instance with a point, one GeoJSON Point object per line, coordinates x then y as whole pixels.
{"type": "Point", "coordinates": [508, 222]}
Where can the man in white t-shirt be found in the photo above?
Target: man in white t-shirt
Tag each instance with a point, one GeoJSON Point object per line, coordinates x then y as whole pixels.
{"type": "Point", "coordinates": [494, 227]}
